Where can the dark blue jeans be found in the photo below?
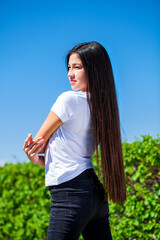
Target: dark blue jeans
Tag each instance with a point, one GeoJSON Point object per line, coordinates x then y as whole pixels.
{"type": "Point", "coordinates": [78, 207]}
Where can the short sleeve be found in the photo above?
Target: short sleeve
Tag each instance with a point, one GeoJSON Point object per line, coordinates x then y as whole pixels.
{"type": "Point", "coordinates": [62, 107]}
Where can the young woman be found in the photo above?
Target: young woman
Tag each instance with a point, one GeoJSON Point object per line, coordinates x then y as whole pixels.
{"type": "Point", "coordinates": [80, 123]}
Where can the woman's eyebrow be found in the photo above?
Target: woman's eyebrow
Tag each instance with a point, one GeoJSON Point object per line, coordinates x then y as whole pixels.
{"type": "Point", "coordinates": [76, 63]}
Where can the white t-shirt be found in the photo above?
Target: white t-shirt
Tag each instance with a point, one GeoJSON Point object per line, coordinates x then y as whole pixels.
{"type": "Point", "coordinates": [70, 148]}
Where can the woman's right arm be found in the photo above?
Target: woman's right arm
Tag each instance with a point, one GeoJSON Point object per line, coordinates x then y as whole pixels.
{"type": "Point", "coordinates": [33, 147]}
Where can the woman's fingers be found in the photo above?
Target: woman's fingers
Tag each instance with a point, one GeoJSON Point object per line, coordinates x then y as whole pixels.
{"type": "Point", "coordinates": [39, 148]}
{"type": "Point", "coordinates": [29, 138]}
{"type": "Point", "coordinates": [33, 147]}
{"type": "Point", "coordinates": [36, 146]}
{"type": "Point", "coordinates": [27, 141]}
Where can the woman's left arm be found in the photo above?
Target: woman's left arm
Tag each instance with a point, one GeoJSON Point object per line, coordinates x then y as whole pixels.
{"type": "Point", "coordinates": [33, 147]}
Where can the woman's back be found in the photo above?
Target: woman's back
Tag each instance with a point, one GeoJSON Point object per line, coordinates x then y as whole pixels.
{"type": "Point", "coordinates": [70, 148]}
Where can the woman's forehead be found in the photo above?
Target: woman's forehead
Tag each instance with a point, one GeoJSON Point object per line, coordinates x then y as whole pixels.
{"type": "Point", "coordinates": [74, 58]}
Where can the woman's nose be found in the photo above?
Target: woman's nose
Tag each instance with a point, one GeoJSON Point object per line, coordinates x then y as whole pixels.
{"type": "Point", "coordinates": [70, 73]}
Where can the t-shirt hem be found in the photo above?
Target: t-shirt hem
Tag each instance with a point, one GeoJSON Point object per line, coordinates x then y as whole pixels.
{"type": "Point", "coordinates": [55, 183]}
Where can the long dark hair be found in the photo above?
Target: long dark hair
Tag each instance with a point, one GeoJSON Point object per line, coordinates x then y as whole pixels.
{"type": "Point", "coordinates": [102, 100]}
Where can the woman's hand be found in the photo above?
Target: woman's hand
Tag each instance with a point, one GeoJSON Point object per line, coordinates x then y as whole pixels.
{"type": "Point", "coordinates": [32, 148]}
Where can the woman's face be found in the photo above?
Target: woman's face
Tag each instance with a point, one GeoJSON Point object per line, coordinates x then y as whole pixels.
{"type": "Point", "coordinates": [76, 73]}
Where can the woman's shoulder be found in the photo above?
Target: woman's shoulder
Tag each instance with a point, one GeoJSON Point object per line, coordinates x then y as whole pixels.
{"type": "Point", "coordinates": [69, 95]}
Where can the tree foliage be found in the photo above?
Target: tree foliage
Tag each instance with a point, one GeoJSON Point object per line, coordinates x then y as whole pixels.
{"type": "Point", "coordinates": [25, 201]}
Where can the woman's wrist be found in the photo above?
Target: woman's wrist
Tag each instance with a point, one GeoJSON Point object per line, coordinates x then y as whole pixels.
{"type": "Point", "coordinates": [40, 161]}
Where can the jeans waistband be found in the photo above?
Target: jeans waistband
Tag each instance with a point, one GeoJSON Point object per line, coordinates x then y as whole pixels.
{"type": "Point", "coordinates": [87, 174]}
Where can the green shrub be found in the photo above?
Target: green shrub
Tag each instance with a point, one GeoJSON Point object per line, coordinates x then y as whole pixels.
{"type": "Point", "coordinates": [138, 218]}
{"type": "Point", "coordinates": [25, 201]}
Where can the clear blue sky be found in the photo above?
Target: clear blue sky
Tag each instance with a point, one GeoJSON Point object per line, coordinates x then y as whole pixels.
{"type": "Point", "coordinates": [34, 39]}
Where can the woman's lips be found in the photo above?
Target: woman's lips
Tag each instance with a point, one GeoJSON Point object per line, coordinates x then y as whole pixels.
{"type": "Point", "coordinates": [72, 81]}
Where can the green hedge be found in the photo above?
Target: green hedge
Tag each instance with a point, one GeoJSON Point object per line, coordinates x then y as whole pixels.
{"type": "Point", "coordinates": [25, 202]}
{"type": "Point", "coordinates": [138, 217]}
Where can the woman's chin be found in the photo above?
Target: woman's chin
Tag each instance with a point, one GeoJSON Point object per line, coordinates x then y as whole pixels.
{"type": "Point", "coordinates": [74, 88]}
